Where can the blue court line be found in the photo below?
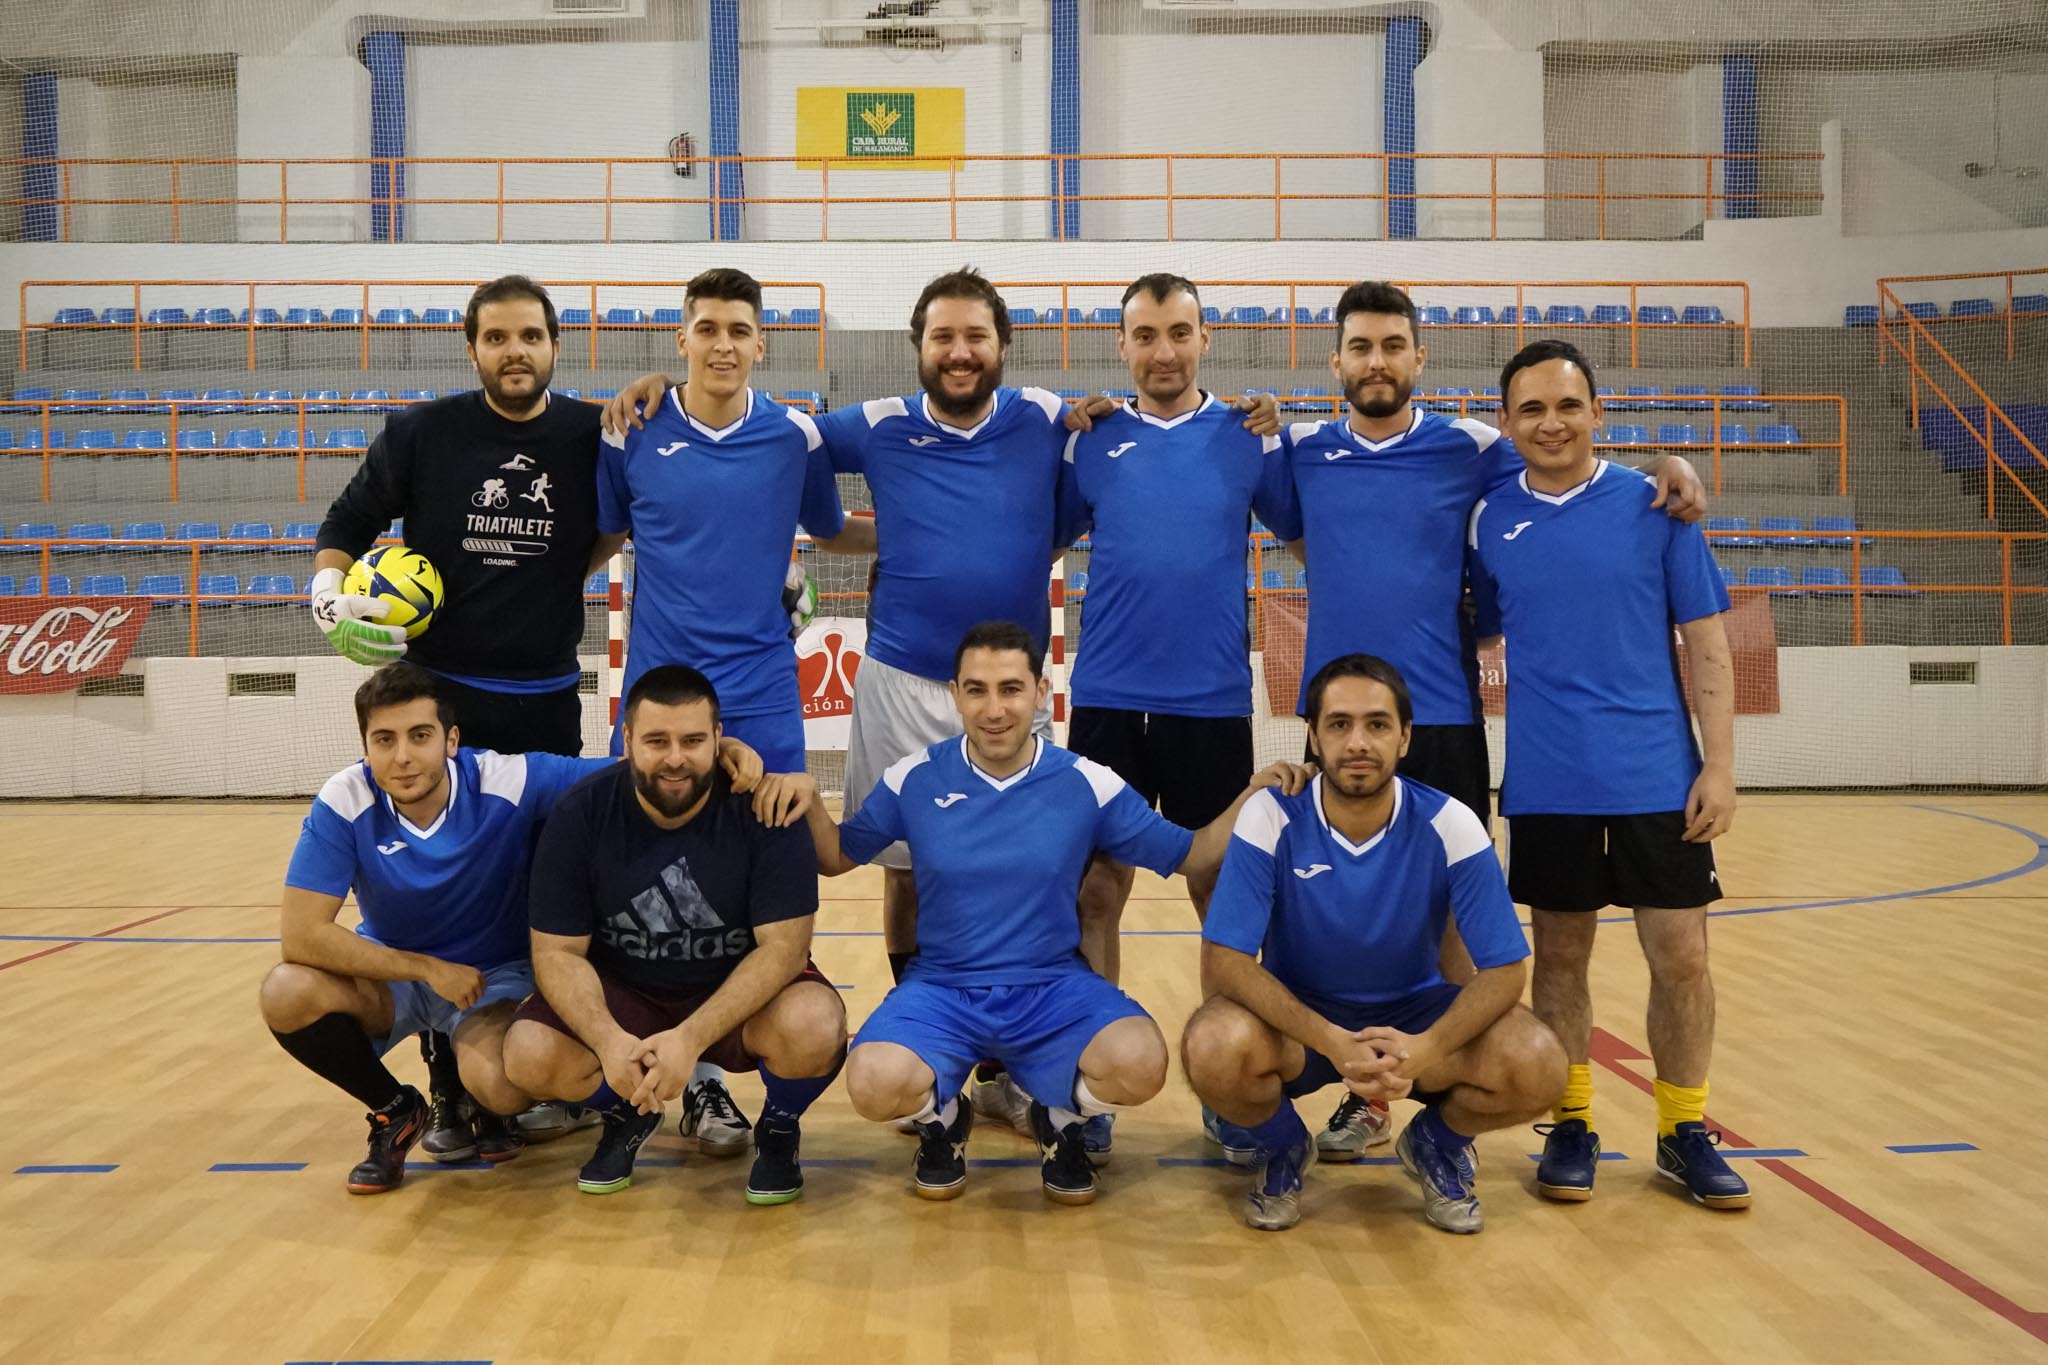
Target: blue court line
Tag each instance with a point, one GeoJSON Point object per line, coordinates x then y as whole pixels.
{"type": "Point", "coordinates": [257, 1166]}
{"type": "Point", "coordinates": [1003, 1161]}
{"type": "Point", "coordinates": [1760, 1152]}
{"type": "Point", "coordinates": [1604, 1156]}
{"type": "Point", "coordinates": [63, 1170]}
{"type": "Point", "coordinates": [1915, 1148]}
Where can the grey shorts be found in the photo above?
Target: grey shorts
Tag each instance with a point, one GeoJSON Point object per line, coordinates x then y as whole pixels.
{"type": "Point", "coordinates": [416, 1009]}
{"type": "Point", "coordinates": [896, 714]}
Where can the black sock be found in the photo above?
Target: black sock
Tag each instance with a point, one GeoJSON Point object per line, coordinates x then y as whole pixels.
{"type": "Point", "coordinates": [437, 1050]}
{"type": "Point", "coordinates": [335, 1048]}
{"type": "Point", "coordinates": [899, 961]}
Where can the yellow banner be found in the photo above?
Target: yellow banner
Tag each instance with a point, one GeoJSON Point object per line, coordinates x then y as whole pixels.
{"type": "Point", "coordinates": [862, 128]}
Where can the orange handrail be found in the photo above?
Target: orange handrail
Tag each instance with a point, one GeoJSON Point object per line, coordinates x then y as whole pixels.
{"type": "Point", "coordinates": [2007, 315]}
{"type": "Point", "coordinates": [1059, 196]}
{"type": "Point", "coordinates": [1917, 329]}
{"type": "Point", "coordinates": [458, 295]}
{"type": "Point", "coordinates": [1113, 289]}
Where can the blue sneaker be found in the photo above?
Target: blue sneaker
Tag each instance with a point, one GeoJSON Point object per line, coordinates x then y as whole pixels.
{"type": "Point", "coordinates": [1571, 1154]}
{"type": "Point", "coordinates": [1096, 1137]}
{"type": "Point", "coordinates": [1689, 1157]}
{"type": "Point", "coordinates": [1274, 1203]}
{"type": "Point", "coordinates": [1239, 1147]}
{"type": "Point", "coordinates": [1447, 1198]}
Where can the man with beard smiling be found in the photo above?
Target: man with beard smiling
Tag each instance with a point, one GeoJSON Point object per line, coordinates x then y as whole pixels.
{"type": "Point", "coordinates": [1320, 961]}
{"type": "Point", "coordinates": [671, 926]}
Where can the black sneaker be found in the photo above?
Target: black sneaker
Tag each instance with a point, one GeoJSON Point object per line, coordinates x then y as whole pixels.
{"type": "Point", "coordinates": [1064, 1167]}
{"type": "Point", "coordinates": [450, 1134]}
{"type": "Point", "coordinates": [393, 1131]}
{"type": "Point", "coordinates": [941, 1170]}
{"type": "Point", "coordinates": [497, 1139]}
{"type": "Point", "coordinates": [610, 1168]}
{"type": "Point", "coordinates": [776, 1177]}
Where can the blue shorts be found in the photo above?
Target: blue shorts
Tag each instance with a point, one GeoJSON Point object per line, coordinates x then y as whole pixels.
{"type": "Point", "coordinates": [416, 1009]}
{"type": "Point", "coordinates": [777, 736]}
{"type": "Point", "coordinates": [1038, 1031]}
{"type": "Point", "coordinates": [1409, 1014]}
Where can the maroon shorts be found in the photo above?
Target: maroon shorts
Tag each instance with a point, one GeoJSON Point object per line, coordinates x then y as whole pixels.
{"type": "Point", "coordinates": [642, 1013]}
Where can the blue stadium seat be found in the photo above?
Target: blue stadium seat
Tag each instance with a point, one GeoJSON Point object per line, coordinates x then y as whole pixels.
{"type": "Point", "coordinates": [33, 395]}
{"type": "Point", "coordinates": [32, 530]}
{"type": "Point", "coordinates": [303, 316]}
{"type": "Point", "coordinates": [219, 585]}
{"type": "Point", "coordinates": [1326, 315]}
{"type": "Point", "coordinates": [624, 317]}
{"type": "Point", "coordinates": [1110, 316]}
{"type": "Point", "coordinates": [1629, 434]}
{"type": "Point", "coordinates": [1530, 316]}
{"type": "Point", "coordinates": [1729, 524]}
{"type": "Point", "coordinates": [1212, 316]}
{"type": "Point", "coordinates": [137, 400]}
{"type": "Point", "coordinates": [286, 439]}
{"type": "Point", "coordinates": [33, 440]}
{"type": "Point", "coordinates": [1829, 530]}
{"type": "Point", "coordinates": [245, 438]}
{"type": "Point", "coordinates": [1429, 315]}
{"type": "Point", "coordinates": [60, 586]}
{"type": "Point", "coordinates": [350, 316]}
{"type": "Point", "coordinates": [1886, 577]}
{"type": "Point", "coordinates": [346, 438]}
{"type": "Point", "coordinates": [597, 585]}
{"type": "Point", "coordinates": [673, 317]}
{"type": "Point", "coordinates": [574, 317]}
{"type": "Point", "coordinates": [1609, 314]}
{"type": "Point", "coordinates": [301, 530]}
{"type": "Point", "coordinates": [1677, 434]}
{"type": "Point", "coordinates": [72, 397]}
{"type": "Point", "coordinates": [254, 531]}
{"type": "Point", "coordinates": [1301, 316]}
{"type": "Point", "coordinates": [602, 395]}
{"type": "Point", "coordinates": [184, 398]}
{"type": "Point", "coordinates": [97, 438]}
{"type": "Point", "coordinates": [1778, 434]}
{"type": "Point", "coordinates": [198, 530]}
{"type": "Point", "coordinates": [73, 317]}
{"type": "Point", "coordinates": [1824, 579]}
{"type": "Point", "coordinates": [1746, 395]}
{"type": "Point", "coordinates": [1564, 315]}
{"type": "Point", "coordinates": [1023, 317]}
{"type": "Point", "coordinates": [1691, 391]}
{"type": "Point", "coordinates": [1768, 576]}
{"type": "Point", "coordinates": [273, 585]}
{"type": "Point", "coordinates": [1729, 578]}
{"type": "Point", "coordinates": [1622, 403]}
{"type": "Point", "coordinates": [1077, 582]}
{"type": "Point", "coordinates": [1924, 311]}
{"type": "Point", "coordinates": [7, 585]}
{"type": "Point", "coordinates": [770, 317]}
{"type": "Point", "coordinates": [158, 317]}
{"type": "Point", "coordinates": [219, 400]}
{"type": "Point", "coordinates": [1859, 315]}
{"type": "Point", "coordinates": [189, 439]}
{"type": "Point", "coordinates": [161, 585]}
{"type": "Point", "coordinates": [1272, 580]}
{"type": "Point", "coordinates": [396, 317]}
{"type": "Point", "coordinates": [1702, 315]}
{"type": "Point", "coordinates": [359, 397]}
{"type": "Point", "coordinates": [814, 317]}
{"type": "Point", "coordinates": [442, 317]}
{"type": "Point", "coordinates": [322, 400]}
{"type": "Point", "coordinates": [1246, 313]}
{"type": "Point", "coordinates": [1308, 400]}
{"type": "Point", "coordinates": [811, 396]}
{"type": "Point", "coordinates": [215, 317]}
{"type": "Point", "coordinates": [1657, 315]}
{"type": "Point", "coordinates": [428, 395]}
{"type": "Point", "coordinates": [1784, 531]}
{"type": "Point", "coordinates": [265, 317]}
{"type": "Point", "coordinates": [124, 316]}
{"type": "Point", "coordinates": [1301, 580]}
{"type": "Point", "coordinates": [2030, 303]}
{"type": "Point", "coordinates": [101, 585]}
{"type": "Point", "coordinates": [1471, 315]}
{"type": "Point", "coordinates": [1734, 434]}
{"type": "Point", "coordinates": [1973, 308]}
{"type": "Point", "coordinates": [143, 530]}
{"type": "Point", "coordinates": [1071, 395]}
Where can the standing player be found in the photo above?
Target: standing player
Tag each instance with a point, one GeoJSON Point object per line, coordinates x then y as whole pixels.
{"type": "Point", "coordinates": [1162, 686]}
{"type": "Point", "coordinates": [497, 489]}
{"type": "Point", "coordinates": [1331, 974]}
{"type": "Point", "coordinates": [1606, 796]}
{"type": "Point", "coordinates": [434, 840]}
{"type": "Point", "coordinates": [1384, 497]}
{"type": "Point", "coordinates": [1001, 823]}
{"type": "Point", "coordinates": [670, 925]}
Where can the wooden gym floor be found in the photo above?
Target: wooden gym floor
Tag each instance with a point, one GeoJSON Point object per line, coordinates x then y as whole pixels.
{"type": "Point", "coordinates": [1883, 1018]}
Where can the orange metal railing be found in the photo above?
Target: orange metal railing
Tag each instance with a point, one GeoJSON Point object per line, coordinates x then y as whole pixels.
{"type": "Point", "coordinates": [1918, 335]}
{"type": "Point", "coordinates": [455, 291]}
{"type": "Point", "coordinates": [717, 172]}
{"type": "Point", "coordinates": [2007, 315]}
{"type": "Point", "coordinates": [178, 413]}
{"type": "Point", "coordinates": [1108, 291]}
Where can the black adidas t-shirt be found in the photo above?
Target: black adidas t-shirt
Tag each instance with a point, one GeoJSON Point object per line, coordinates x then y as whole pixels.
{"type": "Point", "coordinates": [507, 511]}
{"type": "Point", "coordinates": [668, 911]}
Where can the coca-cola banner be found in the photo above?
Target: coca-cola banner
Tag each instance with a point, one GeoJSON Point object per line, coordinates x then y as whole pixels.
{"type": "Point", "coordinates": [828, 655]}
{"type": "Point", "coordinates": [52, 644]}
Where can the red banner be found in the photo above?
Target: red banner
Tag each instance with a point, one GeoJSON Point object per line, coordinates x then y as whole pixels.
{"type": "Point", "coordinates": [53, 644]}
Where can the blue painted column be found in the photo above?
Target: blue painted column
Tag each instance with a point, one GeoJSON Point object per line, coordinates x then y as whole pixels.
{"type": "Point", "coordinates": [1065, 122]}
{"type": "Point", "coordinates": [1739, 178]}
{"type": "Point", "coordinates": [729, 179]}
{"type": "Point", "coordinates": [39, 139]}
{"type": "Point", "coordinates": [1404, 51]}
{"type": "Point", "coordinates": [384, 54]}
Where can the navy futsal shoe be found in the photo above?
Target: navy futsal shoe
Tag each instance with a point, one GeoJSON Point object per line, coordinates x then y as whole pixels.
{"type": "Point", "coordinates": [1097, 1134]}
{"type": "Point", "coordinates": [941, 1170]}
{"type": "Point", "coordinates": [1691, 1157]}
{"type": "Point", "coordinates": [610, 1168]}
{"type": "Point", "coordinates": [776, 1177]}
{"type": "Point", "coordinates": [1571, 1155]}
{"type": "Point", "coordinates": [1063, 1167]}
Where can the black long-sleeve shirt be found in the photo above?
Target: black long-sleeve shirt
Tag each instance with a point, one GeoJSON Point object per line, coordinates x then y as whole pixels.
{"type": "Point", "coordinates": [507, 511]}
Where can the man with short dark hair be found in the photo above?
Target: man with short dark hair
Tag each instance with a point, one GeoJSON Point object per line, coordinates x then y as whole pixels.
{"type": "Point", "coordinates": [670, 926]}
{"type": "Point", "coordinates": [1000, 823]}
{"type": "Point", "coordinates": [1607, 796]}
{"type": "Point", "coordinates": [1330, 974]}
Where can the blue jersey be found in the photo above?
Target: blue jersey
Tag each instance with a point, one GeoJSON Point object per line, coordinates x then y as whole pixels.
{"type": "Point", "coordinates": [998, 861]}
{"type": "Point", "coordinates": [455, 890]}
{"type": "Point", "coordinates": [964, 519]}
{"type": "Point", "coordinates": [1587, 585]}
{"type": "Point", "coordinates": [1384, 523]}
{"type": "Point", "coordinates": [1167, 501]}
{"type": "Point", "coordinates": [1344, 925]}
{"type": "Point", "coordinates": [712, 514]}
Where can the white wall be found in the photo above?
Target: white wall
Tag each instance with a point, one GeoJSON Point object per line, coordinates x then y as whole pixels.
{"type": "Point", "coordinates": [593, 99]}
{"type": "Point", "coordinates": [275, 118]}
{"type": "Point", "coordinates": [189, 115]}
{"type": "Point", "coordinates": [1155, 83]}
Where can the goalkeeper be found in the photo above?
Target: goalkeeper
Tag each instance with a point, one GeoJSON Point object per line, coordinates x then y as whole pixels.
{"type": "Point", "coordinates": [497, 488]}
{"type": "Point", "coordinates": [712, 490]}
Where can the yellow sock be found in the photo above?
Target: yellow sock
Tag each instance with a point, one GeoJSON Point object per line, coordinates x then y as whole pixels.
{"type": "Point", "coordinates": [1678, 1104]}
{"type": "Point", "coordinates": [1577, 1100]}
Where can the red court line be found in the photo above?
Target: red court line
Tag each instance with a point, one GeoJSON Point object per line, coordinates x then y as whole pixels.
{"type": "Point", "coordinates": [119, 928]}
{"type": "Point", "coordinates": [1611, 1051]}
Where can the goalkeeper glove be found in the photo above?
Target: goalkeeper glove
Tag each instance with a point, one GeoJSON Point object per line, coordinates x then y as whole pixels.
{"type": "Point", "coordinates": [350, 623]}
{"type": "Point", "coordinates": [799, 599]}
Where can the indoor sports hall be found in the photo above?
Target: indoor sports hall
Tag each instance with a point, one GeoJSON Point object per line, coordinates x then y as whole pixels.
{"type": "Point", "coordinates": [1804, 246]}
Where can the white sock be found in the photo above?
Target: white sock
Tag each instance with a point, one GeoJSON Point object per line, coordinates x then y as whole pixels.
{"type": "Point", "coordinates": [707, 1071]}
{"type": "Point", "coordinates": [1085, 1100]}
{"type": "Point", "coordinates": [1061, 1118]}
{"type": "Point", "coordinates": [933, 1110]}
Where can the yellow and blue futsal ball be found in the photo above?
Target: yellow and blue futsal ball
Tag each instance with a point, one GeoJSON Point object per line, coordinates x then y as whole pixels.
{"type": "Point", "coordinates": [402, 577]}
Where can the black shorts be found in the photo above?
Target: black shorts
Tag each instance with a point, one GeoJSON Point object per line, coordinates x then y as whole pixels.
{"type": "Point", "coordinates": [1191, 767]}
{"type": "Point", "coordinates": [1451, 758]}
{"type": "Point", "coordinates": [517, 722]}
{"type": "Point", "coordinates": [1587, 862]}
{"type": "Point", "coordinates": [645, 1013]}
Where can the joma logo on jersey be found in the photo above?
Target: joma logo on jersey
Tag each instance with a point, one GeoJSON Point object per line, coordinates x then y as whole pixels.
{"type": "Point", "coordinates": [1312, 870]}
{"type": "Point", "coordinates": [1520, 527]}
{"type": "Point", "coordinates": [1121, 449]}
{"type": "Point", "coordinates": [922, 441]}
{"type": "Point", "coordinates": [950, 798]}
{"type": "Point", "coordinates": [672, 448]}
